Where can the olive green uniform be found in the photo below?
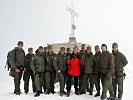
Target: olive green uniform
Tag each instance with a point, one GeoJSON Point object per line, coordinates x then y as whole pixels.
{"type": "Point", "coordinates": [44, 80]}
{"type": "Point", "coordinates": [17, 61]}
{"type": "Point", "coordinates": [88, 72]}
{"type": "Point", "coordinates": [107, 72]}
{"type": "Point", "coordinates": [120, 63]}
{"type": "Point", "coordinates": [60, 64]}
{"type": "Point", "coordinates": [97, 58]}
{"type": "Point", "coordinates": [38, 66]}
{"type": "Point", "coordinates": [50, 73]}
{"type": "Point", "coordinates": [82, 54]}
{"type": "Point", "coordinates": [28, 74]}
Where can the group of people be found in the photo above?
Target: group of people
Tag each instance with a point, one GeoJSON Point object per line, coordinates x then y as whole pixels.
{"type": "Point", "coordinates": [79, 68]}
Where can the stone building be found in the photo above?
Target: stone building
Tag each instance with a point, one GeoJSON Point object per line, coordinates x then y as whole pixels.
{"type": "Point", "coordinates": [71, 44]}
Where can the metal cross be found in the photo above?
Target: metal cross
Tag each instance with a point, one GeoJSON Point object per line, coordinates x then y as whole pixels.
{"type": "Point", "coordinates": [73, 14]}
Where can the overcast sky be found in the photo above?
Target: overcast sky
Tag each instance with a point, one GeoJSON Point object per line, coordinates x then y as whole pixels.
{"type": "Point", "coordinates": [38, 22]}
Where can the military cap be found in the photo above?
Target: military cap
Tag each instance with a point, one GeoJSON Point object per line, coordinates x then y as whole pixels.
{"type": "Point", "coordinates": [68, 49]}
{"type": "Point", "coordinates": [104, 45]}
{"type": "Point", "coordinates": [114, 45]}
{"type": "Point", "coordinates": [45, 48]}
{"type": "Point", "coordinates": [40, 47]}
{"type": "Point", "coordinates": [29, 49]}
{"type": "Point", "coordinates": [20, 43]}
{"type": "Point", "coordinates": [88, 48]}
{"type": "Point", "coordinates": [62, 49]}
{"type": "Point", "coordinates": [50, 47]}
{"type": "Point", "coordinates": [83, 46]}
{"type": "Point", "coordinates": [96, 46]}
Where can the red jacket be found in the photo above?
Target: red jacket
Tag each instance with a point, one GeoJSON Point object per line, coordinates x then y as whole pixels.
{"type": "Point", "coordinates": [74, 65]}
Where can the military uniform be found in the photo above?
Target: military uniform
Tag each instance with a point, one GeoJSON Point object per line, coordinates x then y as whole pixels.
{"type": "Point", "coordinates": [82, 54]}
{"type": "Point", "coordinates": [50, 73]}
{"type": "Point", "coordinates": [28, 74]}
{"type": "Point", "coordinates": [88, 73]}
{"type": "Point", "coordinates": [120, 63]}
{"type": "Point", "coordinates": [97, 58]}
{"type": "Point", "coordinates": [44, 81]}
{"type": "Point", "coordinates": [107, 72]}
{"type": "Point", "coordinates": [60, 67]}
{"type": "Point", "coordinates": [38, 66]}
{"type": "Point", "coordinates": [17, 61]}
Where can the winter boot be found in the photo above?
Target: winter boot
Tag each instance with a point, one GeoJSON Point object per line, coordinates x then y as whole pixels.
{"type": "Point", "coordinates": [97, 94]}
{"type": "Point", "coordinates": [62, 93]}
{"type": "Point", "coordinates": [76, 91]}
{"type": "Point", "coordinates": [38, 93]}
{"type": "Point", "coordinates": [90, 93]}
{"type": "Point", "coordinates": [48, 91]}
{"type": "Point", "coordinates": [82, 92]}
{"type": "Point", "coordinates": [68, 93]}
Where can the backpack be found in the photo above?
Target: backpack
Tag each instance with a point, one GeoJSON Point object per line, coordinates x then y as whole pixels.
{"type": "Point", "coordinates": [8, 65]}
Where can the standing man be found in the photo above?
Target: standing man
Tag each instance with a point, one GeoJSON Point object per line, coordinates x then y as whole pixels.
{"type": "Point", "coordinates": [45, 50]}
{"type": "Point", "coordinates": [28, 72]}
{"type": "Point", "coordinates": [44, 81]}
{"type": "Point", "coordinates": [60, 67]}
{"type": "Point", "coordinates": [88, 72]}
{"type": "Point", "coordinates": [37, 66]}
{"type": "Point", "coordinates": [50, 73]}
{"type": "Point", "coordinates": [68, 54]}
{"type": "Point", "coordinates": [97, 59]}
{"type": "Point", "coordinates": [17, 62]}
{"type": "Point", "coordinates": [120, 63]}
{"type": "Point", "coordinates": [107, 72]}
{"type": "Point", "coordinates": [82, 54]}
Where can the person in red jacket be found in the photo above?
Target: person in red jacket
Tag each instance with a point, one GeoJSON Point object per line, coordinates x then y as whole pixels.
{"type": "Point", "coordinates": [73, 70]}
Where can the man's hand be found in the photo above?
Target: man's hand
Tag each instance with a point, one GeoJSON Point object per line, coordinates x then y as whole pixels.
{"type": "Point", "coordinates": [24, 69]}
{"type": "Point", "coordinates": [17, 70]}
{"type": "Point", "coordinates": [58, 71]}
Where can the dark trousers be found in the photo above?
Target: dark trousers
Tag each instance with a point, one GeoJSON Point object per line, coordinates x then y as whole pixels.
{"type": "Point", "coordinates": [50, 80]}
{"type": "Point", "coordinates": [118, 84]}
{"type": "Point", "coordinates": [97, 82]}
{"type": "Point", "coordinates": [85, 82]}
{"type": "Point", "coordinates": [17, 78]}
{"type": "Point", "coordinates": [69, 78]}
{"type": "Point", "coordinates": [39, 81]}
{"type": "Point", "coordinates": [26, 79]}
{"type": "Point", "coordinates": [81, 80]}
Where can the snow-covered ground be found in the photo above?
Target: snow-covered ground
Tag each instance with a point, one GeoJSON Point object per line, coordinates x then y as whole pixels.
{"type": "Point", "coordinates": [6, 91]}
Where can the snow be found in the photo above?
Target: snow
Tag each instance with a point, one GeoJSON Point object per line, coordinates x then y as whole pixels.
{"type": "Point", "coordinates": [6, 91]}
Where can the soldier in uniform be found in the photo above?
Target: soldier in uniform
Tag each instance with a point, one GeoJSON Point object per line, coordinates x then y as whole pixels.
{"type": "Point", "coordinates": [50, 73]}
{"type": "Point", "coordinates": [38, 66]}
{"type": "Point", "coordinates": [17, 62]}
{"type": "Point", "coordinates": [45, 50]}
{"type": "Point", "coordinates": [97, 58]}
{"type": "Point", "coordinates": [107, 72]}
{"type": "Point", "coordinates": [44, 81]}
{"type": "Point", "coordinates": [68, 53]}
{"type": "Point", "coordinates": [88, 72]}
{"type": "Point", "coordinates": [28, 73]}
{"type": "Point", "coordinates": [82, 54]}
{"type": "Point", "coordinates": [120, 63]}
{"type": "Point", "coordinates": [60, 67]}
